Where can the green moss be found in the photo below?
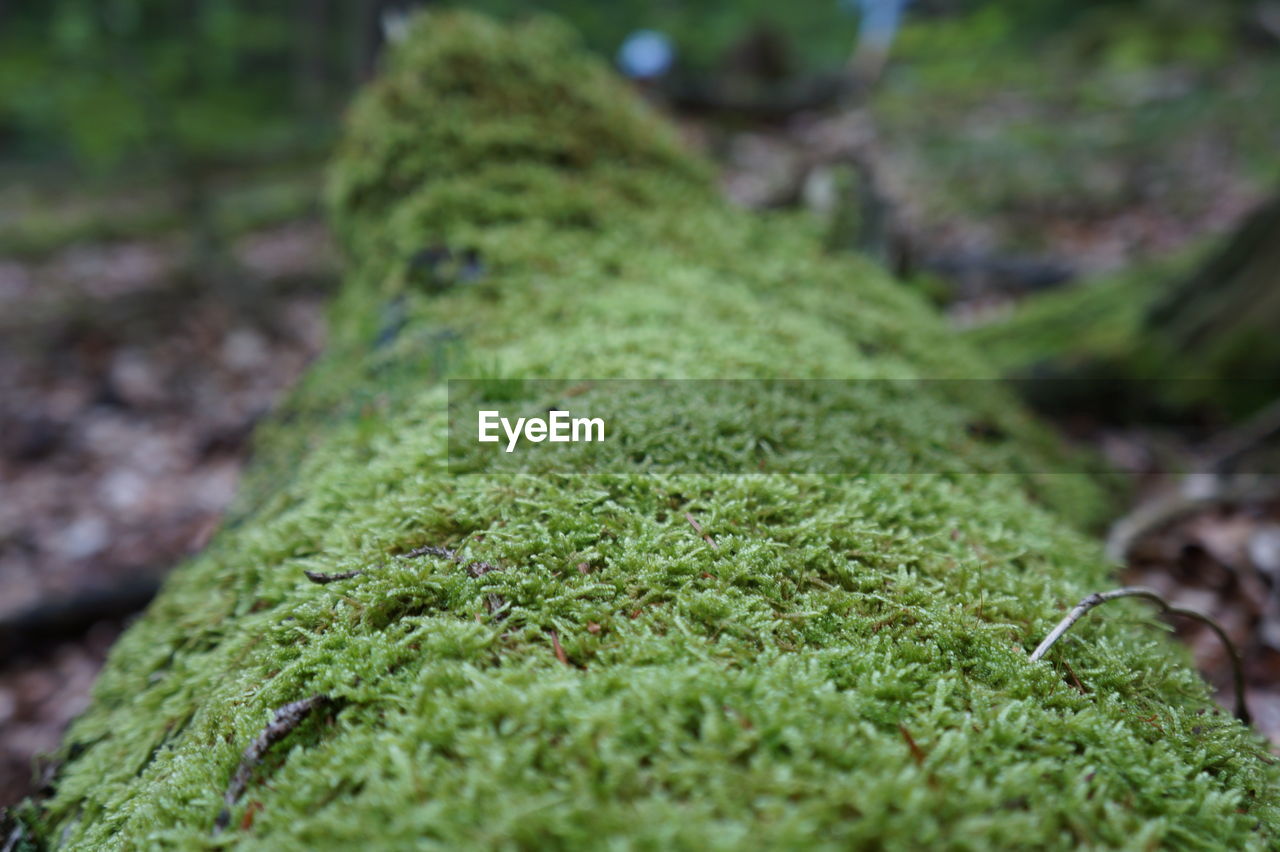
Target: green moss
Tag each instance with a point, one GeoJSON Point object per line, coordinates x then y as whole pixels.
{"type": "Point", "coordinates": [1103, 334]}
{"type": "Point", "coordinates": [1020, 115]}
{"type": "Point", "coordinates": [758, 693]}
{"type": "Point", "coordinates": [1095, 321]}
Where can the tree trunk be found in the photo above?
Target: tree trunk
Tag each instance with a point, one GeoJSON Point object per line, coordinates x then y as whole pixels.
{"type": "Point", "coordinates": [1157, 342]}
{"type": "Point", "coordinates": [1223, 320]}
{"type": "Point", "coordinates": [665, 660]}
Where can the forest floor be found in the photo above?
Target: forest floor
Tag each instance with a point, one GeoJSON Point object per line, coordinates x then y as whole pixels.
{"type": "Point", "coordinates": [130, 391]}
{"type": "Point", "coordinates": [131, 383]}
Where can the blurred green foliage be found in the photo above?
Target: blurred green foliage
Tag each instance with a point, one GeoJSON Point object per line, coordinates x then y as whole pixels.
{"type": "Point", "coordinates": [101, 82]}
{"type": "Point", "coordinates": [105, 84]}
{"type": "Point", "coordinates": [819, 32]}
{"type": "Point", "coordinates": [1009, 117]}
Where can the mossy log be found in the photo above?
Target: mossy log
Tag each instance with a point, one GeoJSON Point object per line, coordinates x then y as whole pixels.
{"type": "Point", "coordinates": [557, 661]}
{"type": "Point", "coordinates": [1223, 320]}
{"type": "Point", "coordinates": [1197, 332]}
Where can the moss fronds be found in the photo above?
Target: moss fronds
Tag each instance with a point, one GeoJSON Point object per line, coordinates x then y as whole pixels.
{"type": "Point", "coordinates": [750, 694]}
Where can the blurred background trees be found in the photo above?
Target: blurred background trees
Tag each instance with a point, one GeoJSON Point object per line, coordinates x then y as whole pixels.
{"type": "Point", "coordinates": [102, 84]}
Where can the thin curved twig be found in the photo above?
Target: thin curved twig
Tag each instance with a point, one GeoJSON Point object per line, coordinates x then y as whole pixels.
{"type": "Point", "coordinates": [286, 719]}
{"type": "Point", "coordinates": [1098, 598]}
{"type": "Point", "coordinates": [1197, 492]}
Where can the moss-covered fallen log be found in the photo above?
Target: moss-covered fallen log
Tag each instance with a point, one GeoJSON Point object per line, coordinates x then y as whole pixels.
{"type": "Point", "coordinates": [1201, 331]}
{"type": "Point", "coordinates": [1223, 320]}
{"type": "Point", "coordinates": [631, 659]}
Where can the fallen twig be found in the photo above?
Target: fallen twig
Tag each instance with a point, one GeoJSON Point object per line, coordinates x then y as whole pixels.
{"type": "Point", "coordinates": [431, 550]}
{"type": "Point", "coordinates": [917, 753]}
{"type": "Point", "coordinates": [475, 569]}
{"type": "Point", "coordinates": [1197, 492]}
{"type": "Point", "coordinates": [318, 577]}
{"type": "Point", "coordinates": [479, 569]}
{"type": "Point", "coordinates": [698, 529]}
{"type": "Point", "coordinates": [1080, 687]}
{"type": "Point", "coordinates": [1254, 432]}
{"type": "Point", "coordinates": [559, 650]}
{"type": "Point", "coordinates": [1098, 598]}
{"type": "Point", "coordinates": [287, 718]}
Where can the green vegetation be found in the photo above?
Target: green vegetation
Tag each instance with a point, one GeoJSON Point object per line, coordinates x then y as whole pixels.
{"type": "Point", "coordinates": [1194, 332]}
{"type": "Point", "coordinates": [819, 35]}
{"type": "Point", "coordinates": [843, 663]}
{"type": "Point", "coordinates": [226, 80]}
{"type": "Point", "coordinates": [1008, 109]}
{"type": "Point", "coordinates": [130, 82]}
{"type": "Point", "coordinates": [1093, 322]}
{"type": "Point", "coordinates": [250, 199]}
{"type": "Point", "coordinates": [1013, 123]}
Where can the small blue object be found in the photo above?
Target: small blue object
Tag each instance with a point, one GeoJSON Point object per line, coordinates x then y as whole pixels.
{"type": "Point", "coordinates": [880, 18]}
{"type": "Point", "coordinates": [646, 54]}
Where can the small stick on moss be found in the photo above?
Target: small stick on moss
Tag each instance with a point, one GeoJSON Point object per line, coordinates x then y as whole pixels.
{"type": "Point", "coordinates": [431, 550]}
{"type": "Point", "coordinates": [555, 644]}
{"type": "Point", "coordinates": [1075, 680]}
{"type": "Point", "coordinates": [286, 719]}
{"type": "Point", "coordinates": [917, 753]}
{"type": "Point", "coordinates": [479, 569]}
{"type": "Point", "coordinates": [475, 569]}
{"type": "Point", "coordinates": [1098, 598]}
{"type": "Point", "coordinates": [698, 529]}
{"type": "Point", "coordinates": [318, 577]}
